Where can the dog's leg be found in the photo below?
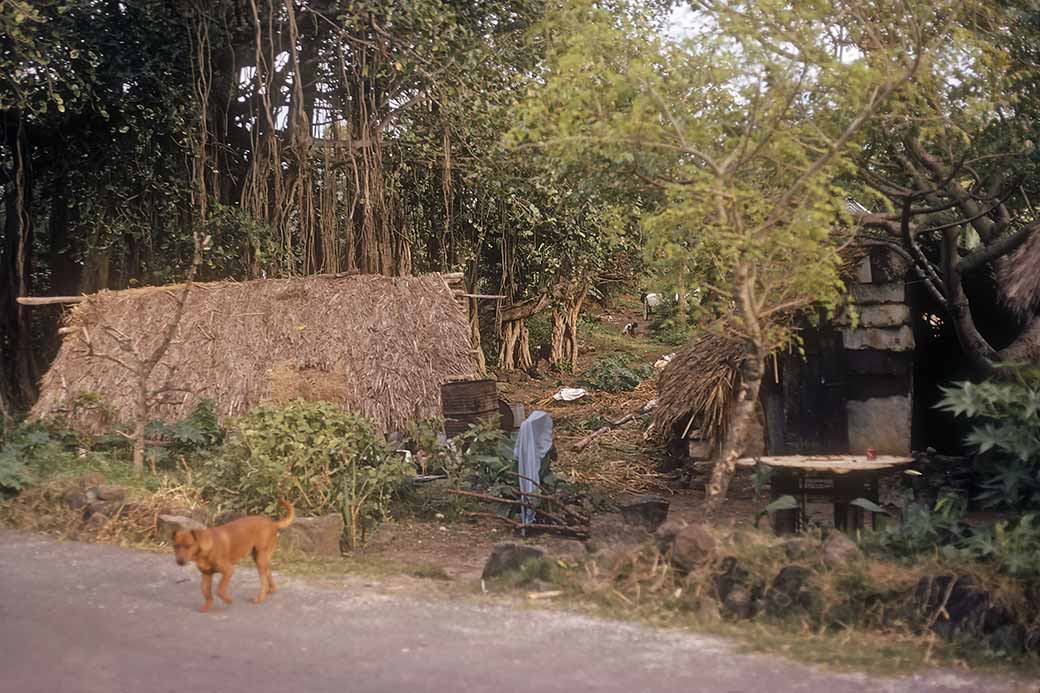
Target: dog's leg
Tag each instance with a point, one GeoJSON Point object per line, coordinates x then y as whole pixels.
{"type": "Point", "coordinates": [207, 591]}
{"type": "Point", "coordinates": [263, 567]}
{"type": "Point", "coordinates": [225, 580]}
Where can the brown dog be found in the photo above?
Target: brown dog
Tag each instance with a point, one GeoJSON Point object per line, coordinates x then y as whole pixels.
{"type": "Point", "coordinates": [218, 549]}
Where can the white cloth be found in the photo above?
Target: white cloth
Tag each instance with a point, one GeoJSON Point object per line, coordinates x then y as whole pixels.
{"type": "Point", "coordinates": [533, 442]}
{"type": "Point", "coordinates": [569, 394]}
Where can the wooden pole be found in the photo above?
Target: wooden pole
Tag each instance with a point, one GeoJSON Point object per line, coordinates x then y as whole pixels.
{"type": "Point", "coordinates": [48, 300]}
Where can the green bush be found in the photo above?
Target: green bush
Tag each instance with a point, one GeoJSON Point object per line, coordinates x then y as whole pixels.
{"type": "Point", "coordinates": [313, 454]}
{"type": "Point", "coordinates": [30, 451]}
{"type": "Point", "coordinates": [615, 374]}
{"type": "Point", "coordinates": [1012, 547]}
{"type": "Point", "coordinates": [1006, 434]}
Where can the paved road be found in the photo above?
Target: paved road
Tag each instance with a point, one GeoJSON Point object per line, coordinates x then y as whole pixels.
{"type": "Point", "coordinates": [79, 617]}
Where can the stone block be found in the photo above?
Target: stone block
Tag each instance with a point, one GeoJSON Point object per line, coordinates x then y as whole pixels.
{"type": "Point", "coordinates": [881, 338]}
{"type": "Point", "coordinates": [882, 423]}
{"type": "Point", "coordinates": [891, 292]}
{"type": "Point", "coordinates": [880, 315]}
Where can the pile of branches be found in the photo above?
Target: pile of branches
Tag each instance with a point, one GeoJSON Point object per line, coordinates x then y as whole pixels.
{"type": "Point", "coordinates": [557, 508]}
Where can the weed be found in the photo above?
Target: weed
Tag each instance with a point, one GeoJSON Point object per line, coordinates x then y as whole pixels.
{"type": "Point", "coordinates": [616, 374]}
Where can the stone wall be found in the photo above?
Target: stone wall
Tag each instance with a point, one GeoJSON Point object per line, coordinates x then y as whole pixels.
{"type": "Point", "coordinates": [879, 350]}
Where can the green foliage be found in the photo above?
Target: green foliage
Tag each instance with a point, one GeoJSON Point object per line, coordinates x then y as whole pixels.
{"type": "Point", "coordinates": [200, 430]}
{"type": "Point", "coordinates": [30, 451]}
{"type": "Point", "coordinates": [616, 374]}
{"type": "Point", "coordinates": [868, 505]}
{"type": "Point", "coordinates": [485, 457]}
{"type": "Point", "coordinates": [1012, 547]}
{"type": "Point", "coordinates": [1006, 433]}
{"type": "Point", "coordinates": [744, 143]}
{"type": "Point", "coordinates": [1008, 412]}
{"type": "Point", "coordinates": [313, 454]}
{"type": "Point", "coordinates": [781, 503]}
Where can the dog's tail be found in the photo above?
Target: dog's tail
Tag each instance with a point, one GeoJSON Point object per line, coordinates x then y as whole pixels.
{"type": "Point", "coordinates": [290, 515]}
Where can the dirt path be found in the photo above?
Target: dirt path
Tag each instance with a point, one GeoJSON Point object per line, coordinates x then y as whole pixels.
{"type": "Point", "coordinates": [81, 617]}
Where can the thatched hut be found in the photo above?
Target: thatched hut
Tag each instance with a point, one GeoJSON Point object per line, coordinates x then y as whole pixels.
{"type": "Point", "coordinates": [1020, 275]}
{"type": "Point", "coordinates": [377, 345]}
{"type": "Point", "coordinates": [695, 391]}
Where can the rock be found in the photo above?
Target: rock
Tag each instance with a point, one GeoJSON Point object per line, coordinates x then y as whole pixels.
{"type": "Point", "coordinates": [737, 589]}
{"type": "Point", "coordinates": [75, 499]}
{"type": "Point", "coordinates": [790, 591]}
{"type": "Point", "coordinates": [508, 557]}
{"type": "Point", "coordinates": [318, 536]}
{"type": "Point", "coordinates": [648, 512]}
{"type": "Point", "coordinates": [692, 546]}
{"type": "Point", "coordinates": [838, 550]}
{"type": "Point", "coordinates": [197, 514]}
{"type": "Point", "coordinates": [570, 548]}
{"type": "Point", "coordinates": [968, 608]}
{"type": "Point", "coordinates": [1008, 640]}
{"type": "Point", "coordinates": [96, 521]}
{"type": "Point", "coordinates": [708, 610]}
{"type": "Point", "coordinates": [110, 492]}
{"type": "Point", "coordinates": [100, 508]}
{"type": "Point", "coordinates": [609, 530]}
{"type": "Point", "coordinates": [666, 533]}
{"type": "Point", "coordinates": [739, 603]}
{"type": "Point", "coordinates": [1033, 641]}
{"type": "Point", "coordinates": [166, 525]}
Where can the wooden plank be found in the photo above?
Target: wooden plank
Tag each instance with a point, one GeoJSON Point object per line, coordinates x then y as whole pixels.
{"type": "Point", "coordinates": [48, 300]}
{"type": "Point", "coordinates": [830, 464]}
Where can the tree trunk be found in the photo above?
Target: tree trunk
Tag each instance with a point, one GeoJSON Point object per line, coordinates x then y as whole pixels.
{"type": "Point", "coordinates": [564, 351]}
{"type": "Point", "coordinates": [741, 414]}
{"type": "Point", "coordinates": [557, 356]}
{"type": "Point", "coordinates": [140, 421]}
{"type": "Point", "coordinates": [16, 270]}
{"type": "Point", "coordinates": [751, 369]}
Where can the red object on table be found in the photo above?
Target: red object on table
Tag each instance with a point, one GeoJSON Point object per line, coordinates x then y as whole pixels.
{"type": "Point", "coordinates": [871, 454]}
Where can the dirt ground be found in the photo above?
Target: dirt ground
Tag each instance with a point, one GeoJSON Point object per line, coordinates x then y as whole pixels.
{"type": "Point", "coordinates": [621, 463]}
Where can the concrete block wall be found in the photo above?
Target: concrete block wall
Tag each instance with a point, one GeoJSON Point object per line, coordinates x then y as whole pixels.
{"type": "Point", "coordinates": [879, 352]}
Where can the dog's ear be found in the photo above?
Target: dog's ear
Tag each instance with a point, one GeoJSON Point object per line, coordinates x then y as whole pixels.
{"type": "Point", "coordinates": [202, 539]}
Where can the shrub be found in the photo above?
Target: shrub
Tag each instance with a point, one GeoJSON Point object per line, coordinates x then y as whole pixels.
{"type": "Point", "coordinates": [30, 451]}
{"type": "Point", "coordinates": [313, 454]}
{"type": "Point", "coordinates": [615, 374]}
{"type": "Point", "coordinates": [1006, 434]}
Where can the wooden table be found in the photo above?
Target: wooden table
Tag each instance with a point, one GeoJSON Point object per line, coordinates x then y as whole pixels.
{"type": "Point", "coordinates": [832, 479]}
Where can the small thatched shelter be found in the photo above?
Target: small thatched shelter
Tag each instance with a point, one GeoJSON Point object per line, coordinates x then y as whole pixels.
{"type": "Point", "coordinates": [378, 345]}
{"type": "Point", "coordinates": [695, 390]}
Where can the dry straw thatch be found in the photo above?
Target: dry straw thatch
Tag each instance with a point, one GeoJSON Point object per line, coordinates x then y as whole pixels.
{"type": "Point", "coordinates": [1020, 276]}
{"type": "Point", "coordinates": [377, 345]}
{"type": "Point", "coordinates": [695, 389]}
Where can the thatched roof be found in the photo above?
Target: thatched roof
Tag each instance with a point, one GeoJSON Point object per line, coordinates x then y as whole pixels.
{"type": "Point", "coordinates": [695, 389]}
{"type": "Point", "coordinates": [1020, 276]}
{"type": "Point", "coordinates": [377, 345]}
